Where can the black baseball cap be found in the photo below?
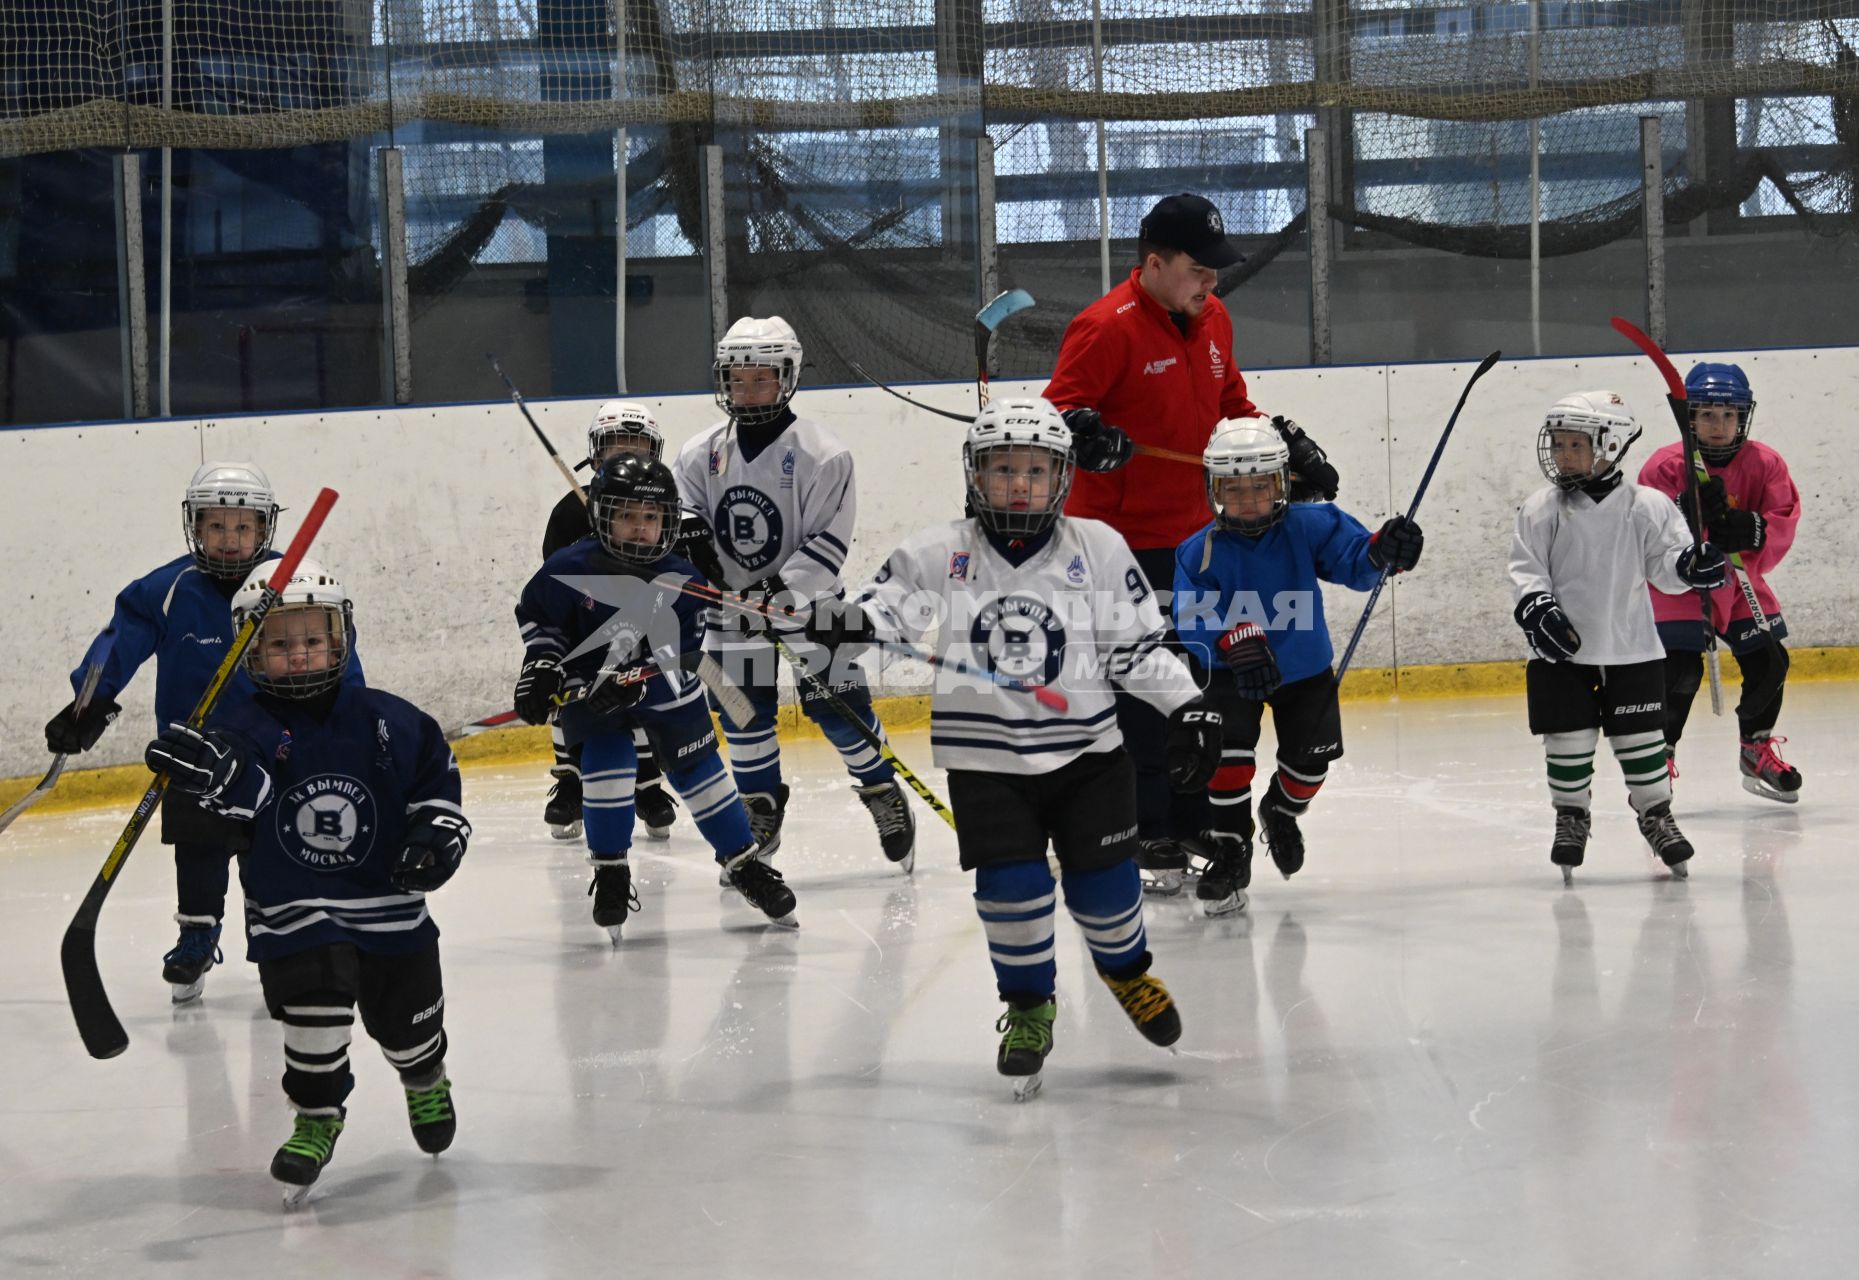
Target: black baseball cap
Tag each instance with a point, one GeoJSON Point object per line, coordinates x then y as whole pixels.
{"type": "Point", "coordinates": [1191, 224]}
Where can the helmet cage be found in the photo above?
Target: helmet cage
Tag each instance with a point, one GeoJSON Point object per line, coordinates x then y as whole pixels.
{"type": "Point", "coordinates": [232, 489]}
{"type": "Point", "coordinates": [1246, 450]}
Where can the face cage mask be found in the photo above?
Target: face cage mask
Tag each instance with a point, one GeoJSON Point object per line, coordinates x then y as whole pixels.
{"type": "Point", "coordinates": [1721, 454]}
{"type": "Point", "coordinates": [1019, 525]}
{"type": "Point", "coordinates": [1251, 526]}
{"type": "Point", "coordinates": [191, 515]}
{"type": "Point", "coordinates": [299, 685]}
{"type": "Point", "coordinates": [1568, 482]}
{"type": "Point", "coordinates": [625, 440]}
{"type": "Point", "coordinates": [755, 415]}
{"type": "Point", "coordinates": [630, 552]}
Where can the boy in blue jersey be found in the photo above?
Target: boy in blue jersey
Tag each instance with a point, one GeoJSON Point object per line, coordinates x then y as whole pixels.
{"type": "Point", "coordinates": [1248, 608]}
{"type": "Point", "coordinates": [348, 801]}
{"type": "Point", "coordinates": [604, 622]}
{"type": "Point", "coordinates": [181, 615]}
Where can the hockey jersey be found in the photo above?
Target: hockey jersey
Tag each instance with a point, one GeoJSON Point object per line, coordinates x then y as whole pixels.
{"type": "Point", "coordinates": [1224, 578]}
{"type": "Point", "coordinates": [1596, 559]}
{"type": "Point", "coordinates": [1077, 616]}
{"type": "Point", "coordinates": [1756, 479]}
{"type": "Point", "coordinates": [330, 805]}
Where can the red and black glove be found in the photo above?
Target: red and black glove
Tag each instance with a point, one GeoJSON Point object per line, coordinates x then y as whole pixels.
{"type": "Point", "coordinates": [1396, 545]}
{"type": "Point", "coordinates": [1248, 653]}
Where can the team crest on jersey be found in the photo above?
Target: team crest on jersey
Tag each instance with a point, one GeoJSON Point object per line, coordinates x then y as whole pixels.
{"type": "Point", "coordinates": [1216, 359]}
{"type": "Point", "coordinates": [1020, 636]}
{"type": "Point", "coordinates": [716, 463]}
{"type": "Point", "coordinates": [327, 823]}
{"type": "Point", "coordinates": [748, 526]}
{"type": "Point", "coordinates": [1074, 572]}
{"type": "Point", "coordinates": [787, 470]}
{"type": "Point", "coordinates": [283, 752]}
{"type": "Point", "coordinates": [958, 567]}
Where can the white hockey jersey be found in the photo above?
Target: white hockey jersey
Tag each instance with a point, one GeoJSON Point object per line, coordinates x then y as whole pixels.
{"type": "Point", "coordinates": [789, 511]}
{"type": "Point", "coordinates": [1596, 558]}
{"type": "Point", "coordinates": [1077, 616]}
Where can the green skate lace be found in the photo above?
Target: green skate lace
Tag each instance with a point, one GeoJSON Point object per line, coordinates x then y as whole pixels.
{"type": "Point", "coordinates": [1141, 997]}
{"type": "Point", "coordinates": [430, 1106]}
{"type": "Point", "coordinates": [315, 1137]}
{"type": "Point", "coordinates": [1025, 1030]}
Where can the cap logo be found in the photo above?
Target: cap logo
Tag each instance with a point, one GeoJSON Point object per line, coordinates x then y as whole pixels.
{"type": "Point", "coordinates": [1213, 222]}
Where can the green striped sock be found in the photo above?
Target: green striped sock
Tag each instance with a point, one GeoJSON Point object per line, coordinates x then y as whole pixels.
{"type": "Point", "coordinates": [1570, 759]}
{"type": "Point", "coordinates": [1642, 761]}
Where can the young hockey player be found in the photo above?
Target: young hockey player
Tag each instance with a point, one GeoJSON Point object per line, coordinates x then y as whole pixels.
{"type": "Point", "coordinates": [1585, 549]}
{"type": "Point", "coordinates": [605, 615]}
{"type": "Point", "coordinates": [1249, 610]}
{"type": "Point", "coordinates": [181, 614]}
{"type": "Point", "coordinates": [1751, 507]}
{"type": "Point", "coordinates": [778, 498]}
{"type": "Point", "coordinates": [619, 426]}
{"type": "Point", "coordinates": [348, 802]}
{"type": "Point", "coordinates": [1023, 591]}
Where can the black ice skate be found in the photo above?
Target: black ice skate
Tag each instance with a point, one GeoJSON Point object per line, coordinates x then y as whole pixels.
{"type": "Point", "coordinates": [1149, 1005]}
{"type": "Point", "coordinates": [1163, 865]}
{"type": "Point", "coordinates": [1026, 1041]}
{"type": "Point", "coordinates": [430, 1112]}
{"type": "Point", "coordinates": [765, 815]}
{"type": "Point", "coordinates": [1662, 833]}
{"type": "Point", "coordinates": [762, 885]}
{"type": "Point", "coordinates": [614, 896]}
{"type": "Point", "coordinates": [1286, 842]}
{"type": "Point", "coordinates": [300, 1160]}
{"type": "Point", "coordinates": [185, 967]}
{"type": "Point", "coordinates": [1227, 875]}
{"type": "Point", "coordinates": [1766, 774]}
{"type": "Point", "coordinates": [897, 829]}
{"type": "Point", "coordinates": [1571, 840]}
{"type": "Point", "coordinates": [563, 811]}
{"type": "Point", "coordinates": [657, 810]}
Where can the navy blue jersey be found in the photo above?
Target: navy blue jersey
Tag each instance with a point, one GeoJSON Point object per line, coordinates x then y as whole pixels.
{"type": "Point", "coordinates": [593, 614]}
{"type": "Point", "coordinates": [329, 807]}
{"type": "Point", "coordinates": [1224, 578]}
{"type": "Point", "coordinates": [182, 618]}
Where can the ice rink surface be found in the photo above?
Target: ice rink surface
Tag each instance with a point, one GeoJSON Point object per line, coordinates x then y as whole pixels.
{"type": "Point", "coordinates": [1421, 1057]}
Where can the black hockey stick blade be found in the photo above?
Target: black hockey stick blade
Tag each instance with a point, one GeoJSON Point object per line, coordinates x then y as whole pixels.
{"type": "Point", "coordinates": [964, 418]}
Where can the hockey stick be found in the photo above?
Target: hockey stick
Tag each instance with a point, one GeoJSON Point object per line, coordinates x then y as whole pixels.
{"type": "Point", "coordinates": [624, 676]}
{"type": "Point", "coordinates": [1681, 410]}
{"type": "Point", "coordinates": [92, 674]}
{"type": "Point", "coordinates": [987, 320]}
{"type": "Point", "coordinates": [1484, 367]}
{"type": "Point", "coordinates": [97, 1022]}
{"type": "Point", "coordinates": [735, 702]}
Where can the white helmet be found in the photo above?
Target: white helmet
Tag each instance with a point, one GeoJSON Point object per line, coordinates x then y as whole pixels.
{"type": "Point", "coordinates": [228, 485]}
{"type": "Point", "coordinates": [753, 342]}
{"type": "Point", "coordinates": [1025, 422]}
{"type": "Point", "coordinates": [313, 608]}
{"type": "Point", "coordinates": [1603, 417]}
{"type": "Point", "coordinates": [1245, 447]}
{"type": "Point", "coordinates": [624, 425]}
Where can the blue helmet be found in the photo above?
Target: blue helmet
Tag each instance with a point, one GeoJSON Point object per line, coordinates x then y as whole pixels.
{"type": "Point", "coordinates": [1722, 384]}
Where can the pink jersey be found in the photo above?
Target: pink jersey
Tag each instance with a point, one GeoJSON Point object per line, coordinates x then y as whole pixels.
{"type": "Point", "coordinates": [1755, 480]}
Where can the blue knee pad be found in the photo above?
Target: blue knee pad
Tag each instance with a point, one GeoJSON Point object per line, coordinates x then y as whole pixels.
{"type": "Point", "coordinates": [1108, 905]}
{"type": "Point", "coordinates": [609, 767]}
{"type": "Point", "coordinates": [1016, 902]}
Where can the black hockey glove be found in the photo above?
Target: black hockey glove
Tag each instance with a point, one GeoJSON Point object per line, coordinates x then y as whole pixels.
{"type": "Point", "coordinates": [435, 845]}
{"type": "Point", "coordinates": [836, 624]}
{"type": "Point", "coordinates": [69, 733]}
{"type": "Point", "coordinates": [696, 544]}
{"type": "Point", "coordinates": [1713, 498]}
{"type": "Point", "coordinates": [200, 763]}
{"type": "Point", "coordinates": [1249, 654]}
{"type": "Point", "coordinates": [1701, 566]}
{"type": "Point", "coordinates": [1096, 446]}
{"type": "Point", "coordinates": [1738, 531]}
{"type": "Point", "coordinates": [1194, 738]}
{"type": "Point", "coordinates": [1552, 637]}
{"type": "Point", "coordinates": [536, 688]}
{"type": "Point", "coordinates": [772, 602]}
{"type": "Point", "coordinates": [1396, 545]}
{"type": "Point", "coordinates": [1309, 463]}
{"type": "Point", "coordinates": [621, 691]}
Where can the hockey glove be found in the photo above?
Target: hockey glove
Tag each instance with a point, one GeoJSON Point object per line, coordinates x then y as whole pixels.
{"type": "Point", "coordinates": [836, 624]}
{"type": "Point", "coordinates": [1701, 566]}
{"type": "Point", "coordinates": [1193, 752]}
{"type": "Point", "coordinates": [200, 763]}
{"type": "Point", "coordinates": [1713, 498]}
{"type": "Point", "coordinates": [696, 544]}
{"type": "Point", "coordinates": [69, 733]}
{"type": "Point", "coordinates": [435, 845]}
{"type": "Point", "coordinates": [620, 691]}
{"type": "Point", "coordinates": [1096, 446]}
{"type": "Point", "coordinates": [536, 688]}
{"type": "Point", "coordinates": [772, 605]}
{"type": "Point", "coordinates": [1396, 545]}
{"type": "Point", "coordinates": [1309, 463]}
{"type": "Point", "coordinates": [1552, 637]}
{"type": "Point", "coordinates": [1249, 654]}
{"type": "Point", "coordinates": [1738, 530]}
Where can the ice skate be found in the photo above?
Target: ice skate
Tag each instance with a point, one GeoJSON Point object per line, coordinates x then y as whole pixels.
{"type": "Point", "coordinates": [563, 811]}
{"type": "Point", "coordinates": [766, 812]}
{"type": "Point", "coordinates": [1227, 875]}
{"type": "Point", "coordinates": [1149, 1005]}
{"type": "Point", "coordinates": [1766, 774]}
{"type": "Point", "coordinates": [614, 897]}
{"type": "Point", "coordinates": [1163, 865]}
{"type": "Point", "coordinates": [299, 1162]}
{"type": "Point", "coordinates": [1282, 837]}
{"type": "Point", "coordinates": [657, 809]}
{"type": "Point", "coordinates": [761, 885]}
{"type": "Point", "coordinates": [897, 829]}
{"type": "Point", "coordinates": [1662, 833]}
{"type": "Point", "coordinates": [1026, 1041]}
{"type": "Point", "coordinates": [1571, 840]}
{"type": "Point", "coordinates": [430, 1112]}
{"type": "Point", "coordinates": [185, 967]}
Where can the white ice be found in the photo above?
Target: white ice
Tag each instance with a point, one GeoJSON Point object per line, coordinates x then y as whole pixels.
{"type": "Point", "coordinates": [1420, 1057]}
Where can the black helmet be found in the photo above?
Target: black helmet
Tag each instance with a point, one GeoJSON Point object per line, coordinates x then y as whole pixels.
{"type": "Point", "coordinates": [625, 484]}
